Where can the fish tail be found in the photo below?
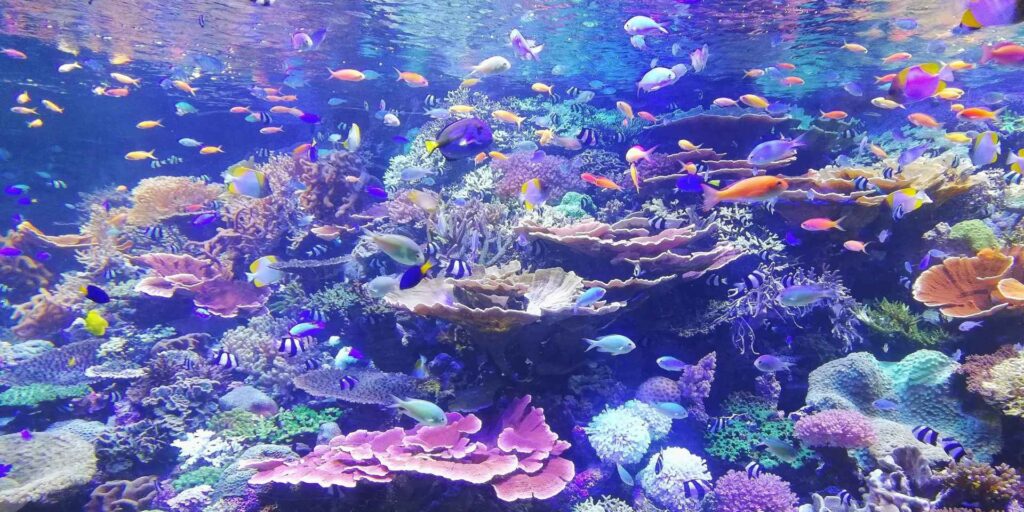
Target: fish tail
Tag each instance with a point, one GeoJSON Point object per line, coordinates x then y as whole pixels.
{"type": "Point", "coordinates": [592, 343]}
{"type": "Point", "coordinates": [711, 196]}
{"type": "Point", "coordinates": [150, 154]}
{"type": "Point", "coordinates": [986, 53]}
{"type": "Point", "coordinates": [399, 71]}
{"type": "Point", "coordinates": [397, 404]}
{"type": "Point", "coordinates": [431, 146]}
{"type": "Point", "coordinates": [840, 221]}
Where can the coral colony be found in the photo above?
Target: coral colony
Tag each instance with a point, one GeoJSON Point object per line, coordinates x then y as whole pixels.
{"type": "Point", "coordinates": [684, 256]}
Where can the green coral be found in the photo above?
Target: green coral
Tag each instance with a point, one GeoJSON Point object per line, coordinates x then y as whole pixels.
{"type": "Point", "coordinates": [976, 234]}
{"type": "Point", "coordinates": [575, 205]}
{"type": "Point", "coordinates": [896, 322]}
{"type": "Point", "coordinates": [206, 475]}
{"type": "Point", "coordinates": [335, 298]}
{"type": "Point", "coordinates": [247, 427]}
{"type": "Point", "coordinates": [739, 438]}
{"type": "Point", "coordinates": [34, 394]}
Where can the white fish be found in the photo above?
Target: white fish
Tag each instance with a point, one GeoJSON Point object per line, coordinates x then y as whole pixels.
{"type": "Point", "coordinates": [491, 66]}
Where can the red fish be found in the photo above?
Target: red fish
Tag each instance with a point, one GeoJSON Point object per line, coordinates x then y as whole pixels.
{"type": "Point", "coordinates": [600, 181]}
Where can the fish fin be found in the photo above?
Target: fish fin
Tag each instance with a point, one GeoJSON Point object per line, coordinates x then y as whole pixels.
{"type": "Point", "coordinates": [431, 146]}
{"type": "Point", "coordinates": [711, 196]}
{"type": "Point", "coordinates": [592, 343]}
{"type": "Point", "coordinates": [397, 404]}
{"type": "Point", "coordinates": [840, 221]}
{"type": "Point", "coordinates": [986, 50]}
{"type": "Point", "coordinates": [399, 71]}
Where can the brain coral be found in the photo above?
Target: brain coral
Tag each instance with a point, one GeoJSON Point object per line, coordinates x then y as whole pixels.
{"type": "Point", "coordinates": [46, 465]}
{"type": "Point", "coordinates": [920, 384]}
{"type": "Point", "coordinates": [678, 466]}
{"type": "Point", "coordinates": [839, 428]}
{"type": "Point", "coordinates": [619, 436]}
{"type": "Point", "coordinates": [735, 492]}
{"type": "Point", "coordinates": [658, 389]}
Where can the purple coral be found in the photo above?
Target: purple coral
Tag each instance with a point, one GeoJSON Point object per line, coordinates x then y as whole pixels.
{"type": "Point", "coordinates": [837, 427]}
{"type": "Point", "coordinates": [695, 384]}
{"type": "Point", "coordinates": [735, 492]}
{"type": "Point", "coordinates": [553, 171]}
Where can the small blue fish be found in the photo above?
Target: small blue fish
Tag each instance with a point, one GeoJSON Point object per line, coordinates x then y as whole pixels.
{"type": "Point", "coordinates": [614, 344]}
{"type": "Point", "coordinates": [969, 326]}
{"type": "Point", "coordinates": [26, 435]}
{"type": "Point", "coordinates": [854, 89]}
{"type": "Point", "coordinates": [538, 155]}
{"type": "Point", "coordinates": [399, 139]}
{"type": "Point", "coordinates": [588, 298]}
{"type": "Point", "coordinates": [377, 193]}
{"type": "Point", "coordinates": [625, 476]}
{"type": "Point", "coordinates": [791, 239]}
{"type": "Point", "coordinates": [306, 329]}
{"type": "Point", "coordinates": [911, 155]}
{"type": "Point", "coordinates": [5, 469]}
{"type": "Point", "coordinates": [334, 102]}
{"type": "Point", "coordinates": [884, 404]}
{"type": "Point", "coordinates": [204, 218]}
{"type": "Point", "coordinates": [768, 363]}
{"type": "Point", "coordinates": [43, 256]}
{"type": "Point", "coordinates": [671, 364]}
{"type": "Point", "coordinates": [310, 118]}
{"type": "Point", "coordinates": [672, 410]}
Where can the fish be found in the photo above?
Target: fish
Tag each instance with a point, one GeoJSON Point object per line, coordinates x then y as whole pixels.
{"type": "Point", "coordinates": [749, 190]}
{"type": "Point", "coordinates": [624, 475]}
{"type": "Point", "coordinates": [155, 233]}
{"type": "Point", "coordinates": [400, 248]}
{"type": "Point", "coordinates": [991, 13]}
{"type": "Point", "coordinates": [347, 382]}
{"type": "Point", "coordinates": [643, 26]}
{"type": "Point", "coordinates": [210, 150]}
{"type": "Point", "coordinates": [979, 114]}
{"type": "Point", "coordinates": [822, 224]}
{"type": "Point", "coordinates": [262, 272]}
{"type": "Point", "coordinates": [600, 181]}
{"type": "Point", "coordinates": [589, 297]}
{"type": "Point", "coordinates": [245, 181]}
{"type": "Point", "coordinates": [753, 469]}
{"type": "Point", "coordinates": [414, 275]}
{"type": "Point", "coordinates": [637, 153]}
{"type": "Point", "coordinates": [986, 149]}
{"type": "Point", "coordinates": [303, 329]}
{"type": "Point", "coordinates": [508, 117]}
{"type": "Point", "coordinates": [969, 325]}
{"type": "Point", "coordinates": [225, 360]}
{"type": "Point", "coordinates": [411, 79]}
{"type": "Point", "coordinates": [856, 246]}
{"type": "Point", "coordinates": [923, 120]}
{"type": "Point", "coordinates": [424, 412]}
{"type": "Point", "coordinates": [696, 489]}
{"type": "Point", "coordinates": [780, 449]}
{"type": "Point", "coordinates": [699, 58]}
{"type": "Point", "coordinates": [346, 75]}
{"type": "Point", "coordinates": [627, 111]}
{"type": "Point", "coordinates": [53, 107]}
{"type": "Point", "coordinates": [772, 151]}
{"type": "Point", "coordinates": [347, 356]}
{"type": "Point", "coordinates": [854, 47]}
{"type": "Point", "coordinates": [525, 49]}
{"type": "Point", "coordinates": [461, 139]}
{"type": "Point", "coordinates": [95, 324]}
{"type": "Point", "coordinates": [14, 54]}
{"type": "Point", "coordinates": [920, 81]}
{"type": "Point", "coordinates": [906, 200]}
{"type": "Point", "coordinates": [658, 78]}
{"type": "Point", "coordinates": [95, 294]}
{"type": "Point", "coordinates": [886, 103]}
{"type": "Point", "coordinates": [183, 86]}
{"type": "Point", "coordinates": [1004, 53]}
{"type": "Point", "coordinates": [768, 363]}
{"type": "Point", "coordinates": [884, 404]}
{"type": "Point", "coordinates": [420, 369]}
{"type": "Point", "coordinates": [457, 269]}
{"type": "Point", "coordinates": [183, 108]}
{"type": "Point", "coordinates": [5, 469]}
{"type": "Point", "coordinates": [24, 111]}
{"type": "Point", "coordinates": [926, 435]}
{"type": "Point", "coordinates": [754, 101]}
{"type": "Point", "coordinates": [25, 434]}
{"type": "Point", "coordinates": [491, 66]}
{"type": "Point", "coordinates": [614, 344]}
{"type": "Point", "coordinates": [587, 137]}
{"type": "Point", "coordinates": [672, 410]}
{"type": "Point", "coordinates": [953, 448]}
{"type": "Point", "coordinates": [805, 295]}
{"type": "Point", "coordinates": [291, 346]}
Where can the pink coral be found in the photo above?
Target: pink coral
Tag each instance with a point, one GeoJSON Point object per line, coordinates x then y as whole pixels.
{"type": "Point", "coordinates": [837, 427]}
{"type": "Point", "coordinates": [211, 285]}
{"type": "Point", "coordinates": [522, 462]}
{"type": "Point", "coordinates": [552, 170]}
{"type": "Point", "coordinates": [735, 492]}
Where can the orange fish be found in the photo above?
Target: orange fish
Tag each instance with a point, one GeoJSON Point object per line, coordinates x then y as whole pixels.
{"type": "Point", "coordinates": [792, 80]}
{"type": "Point", "coordinates": [750, 190]}
{"type": "Point", "coordinates": [273, 99]}
{"type": "Point", "coordinates": [479, 158]}
{"type": "Point", "coordinates": [184, 86]}
{"type": "Point", "coordinates": [347, 75]}
{"type": "Point", "coordinates": [822, 224]}
{"type": "Point", "coordinates": [280, 109]}
{"type": "Point", "coordinates": [835, 114]}
{"type": "Point", "coordinates": [885, 79]}
{"type": "Point", "coordinates": [956, 107]}
{"type": "Point", "coordinates": [877, 151]}
{"type": "Point", "coordinates": [633, 175]}
{"type": "Point", "coordinates": [1003, 53]}
{"type": "Point", "coordinates": [289, 97]}
{"type": "Point", "coordinates": [302, 149]}
{"type": "Point", "coordinates": [856, 246]}
{"type": "Point", "coordinates": [600, 181]}
{"type": "Point", "coordinates": [978, 114]}
{"type": "Point", "coordinates": [239, 110]}
{"type": "Point", "coordinates": [14, 54]}
{"type": "Point", "coordinates": [497, 155]}
{"type": "Point", "coordinates": [120, 92]}
{"type": "Point", "coordinates": [753, 73]}
{"type": "Point", "coordinates": [923, 120]}
{"type": "Point", "coordinates": [896, 57]}
{"type": "Point", "coordinates": [785, 65]}
{"type": "Point", "coordinates": [412, 79]}
{"type": "Point", "coordinates": [647, 116]}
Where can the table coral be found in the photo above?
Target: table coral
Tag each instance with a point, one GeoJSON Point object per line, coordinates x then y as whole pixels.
{"type": "Point", "coordinates": [43, 468]}
{"type": "Point", "coordinates": [972, 288]}
{"type": "Point", "coordinates": [209, 283]}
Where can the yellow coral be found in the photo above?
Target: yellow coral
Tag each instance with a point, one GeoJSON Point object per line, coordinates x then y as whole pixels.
{"type": "Point", "coordinates": [161, 197]}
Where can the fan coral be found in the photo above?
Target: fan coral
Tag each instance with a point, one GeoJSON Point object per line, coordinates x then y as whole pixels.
{"type": "Point", "coordinates": [522, 463]}
{"type": "Point", "coordinates": [736, 492]}
{"type": "Point", "coordinates": [40, 470]}
{"type": "Point", "coordinates": [155, 199]}
{"type": "Point", "coordinates": [120, 495]}
{"type": "Point", "coordinates": [843, 429]}
{"type": "Point", "coordinates": [990, 487]}
{"type": "Point", "coordinates": [665, 487]}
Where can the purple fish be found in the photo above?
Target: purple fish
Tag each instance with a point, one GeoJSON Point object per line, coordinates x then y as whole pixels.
{"type": "Point", "coordinates": [689, 183]}
{"type": "Point", "coordinates": [5, 469]}
{"type": "Point", "coordinates": [26, 435]}
{"type": "Point", "coordinates": [24, 200]}
{"type": "Point", "coordinates": [310, 118]}
{"type": "Point", "coordinates": [854, 89]}
{"type": "Point", "coordinates": [791, 239]}
{"type": "Point", "coordinates": [538, 155]}
{"type": "Point", "coordinates": [10, 251]}
{"type": "Point", "coordinates": [204, 218]}
{"type": "Point", "coordinates": [377, 193]}
{"type": "Point", "coordinates": [911, 155]}
{"type": "Point", "coordinates": [399, 139]}
{"type": "Point", "coordinates": [17, 218]}
{"type": "Point", "coordinates": [16, 190]}
{"type": "Point", "coordinates": [314, 153]}
{"type": "Point", "coordinates": [925, 262]}
{"type": "Point", "coordinates": [777, 108]}
{"type": "Point", "coordinates": [43, 256]}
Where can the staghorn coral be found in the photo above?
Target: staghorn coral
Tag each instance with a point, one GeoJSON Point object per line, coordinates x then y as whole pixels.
{"type": "Point", "coordinates": [475, 231]}
{"type": "Point", "coordinates": [604, 504]}
{"type": "Point", "coordinates": [998, 378]}
{"type": "Point", "coordinates": [41, 470]}
{"type": "Point", "coordinates": [161, 197]}
{"type": "Point", "coordinates": [255, 346]}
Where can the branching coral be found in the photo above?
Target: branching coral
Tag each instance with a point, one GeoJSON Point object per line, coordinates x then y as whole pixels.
{"type": "Point", "coordinates": [184, 405]}
{"type": "Point", "coordinates": [553, 171]}
{"type": "Point", "coordinates": [330, 192]}
{"type": "Point", "coordinates": [998, 378]}
{"type": "Point", "coordinates": [895, 322]}
{"type": "Point", "coordinates": [756, 420]}
{"type": "Point", "coordinates": [158, 198]}
{"type": "Point", "coordinates": [475, 231]}
{"type": "Point", "coordinates": [990, 487]}
{"type": "Point", "coordinates": [250, 428]}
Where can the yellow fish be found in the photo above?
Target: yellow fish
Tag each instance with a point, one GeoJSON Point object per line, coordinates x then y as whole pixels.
{"type": "Point", "coordinates": [119, 59]}
{"type": "Point", "coordinates": [906, 200]}
{"type": "Point", "coordinates": [877, 151]}
{"type": "Point", "coordinates": [35, 123]}
{"type": "Point", "coordinates": [545, 136]}
{"type": "Point", "coordinates": [950, 93]}
{"type": "Point", "coordinates": [543, 88]}
{"type": "Point", "coordinates": [125, 79]}
{"type": "Point", "coordinates": [753, 100]}
{"type": "Point", "coordinates": [146, 125]}
{"type": "Point", "coordinates": [72, 362]}
{"type": "Point", "coordinates": [53, 106]}
{"type": "Point", "coordinates": [959, 65]}
{"type": "Point", "coordinates": [633, 175]}
{"type": "Point", "coordinates": [140, 155]}
{"type": "Point", "coordinates": [24, 111]}
{"type": "Point", "coordinates": [210, 150]}
{"type": "Point", "coordinates": [627, 111]}
{"type": "Point", "coordinates": [508, 117]}
{"type": "Point", "coordinates": [67, 68]}
{"type": "Point", "coordinates": [469, 82]}
{"type": "Point", "coordinates": [886, 103]}
{"type": "Point", "coordinates": [461, 109]}
{"type": "Point", "coordinates": [95, 323]}
{"type": "Point", "coordinates": [854, 47]}
{"type": "Point", "coordinates": [497, 155]}
{"type": "Point", "coordinates": [23, 98]}
{"type": "Point", "coordinates": [958, 137]}
{"type": "Point", "coordinates": [686, 145]}
{"type": "Point", "coordinates": [184, 86]}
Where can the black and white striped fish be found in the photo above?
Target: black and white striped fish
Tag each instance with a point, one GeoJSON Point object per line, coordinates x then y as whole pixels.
{"type": "Point", "coordinates": [259, 117]}
{"type": "Point", "coordinates": [719, 422]}
{"type": "Point", "coordinates": [863, 183]}
{"type": "Point", "coordinates": [225, 359]}
{"type": "Point", "coordinates": [752, 281]}
{"type": "Point", "coordinates": [57, 184]}
{"type": "Point", "coordinates": [431, 249]}
{"type": "Point", "coordinates": [155, 233]}
{"type": "Point", "coordinates": [430, 101]}
{"type": "Point", "coordinates": [848, 133]}
{"type": "Point", "coordinates": [317, 250]}
{"type": "Point", "coordinates": [587, 137]}
{"type": "Point", "coordinates": [313, 315]}
{"type": "Point", "coordinates": [457, 269]}
{"type": "Point", "coordinates": [696, 489]}
{"type": "Point", "coordinates": [312, 364]}
{"type": "Point", "coordinates": [845, 498]}
{"type": "Point", "coordinates": [109, 274]}
{"type": "Point", "coordinates": [926, 435]}
{"type": "Point", "coordinates": [660, 223]}
{"type": "Point", "coordinates": [702, 167]}
{"type": "Point", "coordinates": [888, 173]}
{"type": "Point", "coordinates": [536, 249]}
{"type": "Point", "coordinates": [291, 346]}
{"type": "Point", "coordinates": [189, 363]}
{"type": "Point", "coordinates": [347, 382]}
{"type": "Point", "coordinates": [753, 469]}
{"type": "Point", "coordinates": [906, 282]}
{"type": "Point", "coordinates": [1012, 177]}
{"type": "Point", "coordinates": [717, 280]}
{"type": "Point", "coordinates": [114, 396]}
{"type": "Point", "coordinates": [953, 448]}
{"type": "Point", "coordinates": [573, 91]}
{"type": "Point", "coordinates": [766, 255]}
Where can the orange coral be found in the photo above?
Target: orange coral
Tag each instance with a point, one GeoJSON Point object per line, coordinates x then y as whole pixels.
{"type": "Point", "coordinates": [162, 197]}
{"type": "Point", "coordinates": [973, 287]}
{"type": "Point", "coordinates": [41, 316]}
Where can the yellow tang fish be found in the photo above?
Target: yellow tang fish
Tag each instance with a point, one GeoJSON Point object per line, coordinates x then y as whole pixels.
{"type": "Point", "coordinates": [95, 323]}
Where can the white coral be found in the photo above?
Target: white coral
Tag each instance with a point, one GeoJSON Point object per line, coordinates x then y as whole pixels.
{"type": "Point", "coordinates": [200, 446]}
{"type": "Point", "coordinates": [191, 498]}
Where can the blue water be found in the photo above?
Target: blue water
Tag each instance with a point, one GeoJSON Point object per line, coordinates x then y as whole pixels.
{"type": "Point", "coordinates": [762, 335]}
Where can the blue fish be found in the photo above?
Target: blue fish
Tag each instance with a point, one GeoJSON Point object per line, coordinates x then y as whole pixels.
{"type": "Point", "coordinates": [884, 404]}
{"type": "Point", "coordinates": [95, 294]}
{"type": "Point", "coordinates": [911, 155]}
{"type": "Point", "coordinates": [5, 469]}
{"type": "Point", "coordinates": [204, 218]}
{"type": "Point", "coordinates": [304, 329]}
{"type": "Point", "coordinates": [589, 298]}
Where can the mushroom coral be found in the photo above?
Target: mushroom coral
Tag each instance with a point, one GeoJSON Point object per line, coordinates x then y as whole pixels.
{"type": "Point", "coordinates": [974, 287]}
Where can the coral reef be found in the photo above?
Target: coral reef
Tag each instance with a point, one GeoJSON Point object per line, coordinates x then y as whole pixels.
{"type": "Point", "coordinates": [736, 492]}
{"type": "Point", "coordinates": [118, 495]}
{"type": "Point", "coordinates": [839, 428]}
{"type": "Point", "coordinates": [665, 486]}
{"type": "Point", "coordinates": [44, 467]}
